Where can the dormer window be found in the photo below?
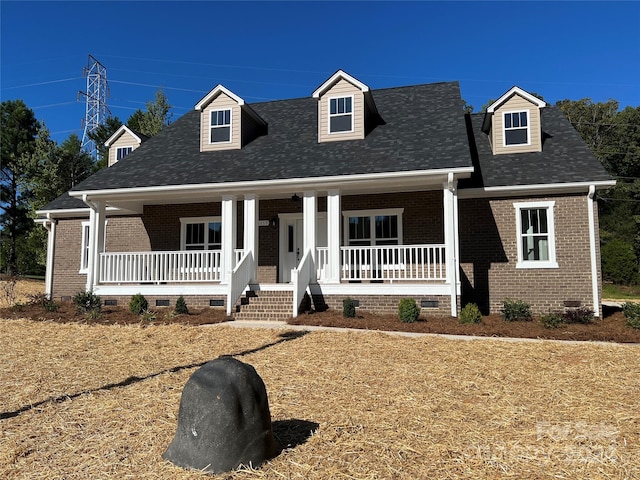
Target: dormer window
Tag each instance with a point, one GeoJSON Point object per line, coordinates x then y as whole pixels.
{"type": "Point", "coordinates": [122, 152]}
{"type": "Point", "coordinates": [220, 126]}
{"type": "Point", "coordinates": [516, 128]}
{"type": "Point", "coordinates": [341, 114]}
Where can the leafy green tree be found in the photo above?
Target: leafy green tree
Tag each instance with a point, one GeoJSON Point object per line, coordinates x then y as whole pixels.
{"type": "Point", "coordinates": [594, 122]}
{"type": "Point", "coordinates": [18, 131]}
{"type": "Point", "coordinates": [157, 116]}
{"type": "Point", "coordinates": [614, 137]}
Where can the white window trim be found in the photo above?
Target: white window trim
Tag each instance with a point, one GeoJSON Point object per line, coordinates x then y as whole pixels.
{"type": "Point", "coordinates": [189, 220]}
{"type": "Point", "coordinates": [122, 148]}
{"type": "Point", "coordinates": [211, 127]}
{"type": "Point", "coordinates": [84, 246]}
{"type": "Point", "coordinates": [504, 128]}
{"type": "Point", "coordinates": [552, 261]}
{"type": "Point", "coordinates": [371, 213]}
{"type": "Point", "coordinates": [329, 115]}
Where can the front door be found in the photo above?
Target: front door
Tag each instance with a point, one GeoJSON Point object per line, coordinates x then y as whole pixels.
{"type": "Point", "coordinates": [291, 242]}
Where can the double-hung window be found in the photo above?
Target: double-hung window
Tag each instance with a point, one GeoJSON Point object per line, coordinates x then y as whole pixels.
{"type": "Point", "coordinates": [122, 152]}
{"type": "Point", "coordinates": [516, 128]}
{"type": "Point", "coordinates": [341, 114]}
{"type": "Point", "coordinates": [373, 227]}
{"type": "Point", "coordinates": [220, 126]}
{"type": "Point", "coordinates": [201, 233]}
{"type": "Point", "coordinates": [535, 235]}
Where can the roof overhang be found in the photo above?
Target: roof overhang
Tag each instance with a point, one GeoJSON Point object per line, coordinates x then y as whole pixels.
{"type": "Point", "coordinates": [539, 189]}
{"type": "Point", "coordinates": [339, 75]}
{"type": "Point", "coordinates": [516, 91]}
{"type": "Point", "coordinates": [119, 132]}
{"type": "Point", "coordinates": [132, 199]}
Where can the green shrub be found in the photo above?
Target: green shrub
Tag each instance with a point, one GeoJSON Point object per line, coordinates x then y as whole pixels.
{"type": "Point", "coordinates": [552, 320]}
{"type": "Point", "coordinates": [181, 306]}
{"type": "Point", "coordinates": [619, 262]}
{"type": "Point", "coordinates": [470, 314]}
{"type": "Point", "coordinates": [43, 300]}
{"type": "Point", "coordinates": [87, 302]}
{"type": "Point", "coordinates": [93, 315]}
{"type": "Point", "coordinates": [147, 315]}
{"type": "Point", "coordinates": [408, 310]}
{"type": "Point", "coordinates": [348, 308]}
{"type": "Point", "coordinates": [582, 315]}
{"type": "Point", "coordinates": [138, 304]}
{"type": "Point", "coordinates": [632, 313]}
{"type": "Point", "coordinates": [516, 310]}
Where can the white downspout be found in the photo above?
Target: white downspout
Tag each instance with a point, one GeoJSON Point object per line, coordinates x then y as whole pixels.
{"type": "Point", "coordinates": [592, 245]}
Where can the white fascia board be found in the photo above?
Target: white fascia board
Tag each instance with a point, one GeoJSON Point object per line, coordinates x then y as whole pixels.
{"type": "Point", "coordinates": [334, 78]}
{"type": "Point", "coordinates": [513, 91]}
{"type": "Point", "coordinates": [119, 132]}
{"type": "Point", "coordinates": [284, 185]}
{"type": "Point", "coordinates": [79, 212]}
{"type": "Point", "coordinates": [554, 188]}
{"type": "Point", "coordinates": [214, 93]}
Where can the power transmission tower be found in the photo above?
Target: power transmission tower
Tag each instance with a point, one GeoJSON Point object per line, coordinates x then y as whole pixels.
{"type": "Point", "coordinates": [96, 102]}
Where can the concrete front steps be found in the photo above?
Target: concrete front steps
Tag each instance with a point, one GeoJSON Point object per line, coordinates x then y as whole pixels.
{"type": "Point", "coordinates": [257, 305]}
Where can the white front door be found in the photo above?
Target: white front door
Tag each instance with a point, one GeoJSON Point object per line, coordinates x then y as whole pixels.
{"type": "Point", "coordinates": [291, 243]}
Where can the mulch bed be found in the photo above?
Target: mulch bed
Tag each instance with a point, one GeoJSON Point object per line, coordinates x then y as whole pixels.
{"type": "Point", "coordinates": [611, 328]}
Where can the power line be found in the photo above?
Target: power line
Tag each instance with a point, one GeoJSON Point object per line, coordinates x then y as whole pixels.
{"type": "Point", "coordinates": [41, 83]}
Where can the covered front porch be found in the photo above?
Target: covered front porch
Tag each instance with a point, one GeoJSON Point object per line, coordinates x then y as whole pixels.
{"type": "Point", "coordinates": [351, 245]}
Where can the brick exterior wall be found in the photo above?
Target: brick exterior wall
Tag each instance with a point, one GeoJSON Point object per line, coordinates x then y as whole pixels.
{"type": "Point", "coordinates": [488, 255]}
{"type": "Point", "coordinates": [67, 281]}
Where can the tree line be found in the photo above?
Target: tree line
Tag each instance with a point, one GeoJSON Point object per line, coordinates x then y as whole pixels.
{"type": "Point", "coordinates": [36, 170]}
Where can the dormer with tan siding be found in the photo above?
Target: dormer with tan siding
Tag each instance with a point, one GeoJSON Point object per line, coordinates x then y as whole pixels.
{"type": "Point", "coordinates": [345, 108]}
{"type": "Point", "coordinates": [513, 123]}
{"type": "Point", "coordinates": [226, 121]}
{"type": "Point", "coordinates": [122, 143]}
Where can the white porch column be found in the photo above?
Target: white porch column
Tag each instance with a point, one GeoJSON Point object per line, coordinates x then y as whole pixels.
{"type": "Point", "coordinates": [229, 219]}
{"type": "Point", "coordinates": [333, 236]}
{"type": "Point", "coordinates": [97, 219]}
{"type": "Point", "coordinates": [50, 225]}
{"type": "Point", "coordinates": [450, 194]}
{"type": "Point", "coordinates": [592, 249]}
{"type": "Point", "coordinates": [251, 214]}
{"type": "Point", "coordinates": [310, 213]}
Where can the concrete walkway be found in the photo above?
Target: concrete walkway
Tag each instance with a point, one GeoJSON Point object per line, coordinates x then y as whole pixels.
{"type": "Point", "coordinates": [311, 328]}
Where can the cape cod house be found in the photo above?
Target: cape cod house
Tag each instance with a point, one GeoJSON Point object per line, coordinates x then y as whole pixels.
{"type": "Point", "coordinates": [374, 195]}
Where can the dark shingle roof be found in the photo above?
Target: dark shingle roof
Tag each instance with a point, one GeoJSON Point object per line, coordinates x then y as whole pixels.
{"type": "Point", "coordinates": [423, 129]}
{"type": "Point", "coordinates": [565, 158]}
{"type": "Point", "coordinates": [65, 202]}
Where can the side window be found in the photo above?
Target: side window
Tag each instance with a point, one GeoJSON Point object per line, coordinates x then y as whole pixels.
{"type": "Point", "coordinates": [516, 128]}
{"type": "Point", "coordinates": [220, 126]}
{"type": "Point", "coordinates": [535, 235]}
{"type": "Point", "coordinates": [340, 114]}
{"type": "Point", "coordinates": [84, 249]}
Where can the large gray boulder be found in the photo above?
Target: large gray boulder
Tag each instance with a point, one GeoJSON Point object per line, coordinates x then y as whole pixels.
{"type": "Point", "coordinates": [224, 420]}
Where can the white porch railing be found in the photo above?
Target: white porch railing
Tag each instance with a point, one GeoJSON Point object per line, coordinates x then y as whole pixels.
{"type": "Point", "coordinates": [237, 255]}
{"type": "Point", "coordinates": [159, 267]}
{"type": "Point", "coordinates": [390, 263]}
{"type": "Point", "coordinates": [239, 279]}
{"type": "Point", "coordinates": [301, 277]}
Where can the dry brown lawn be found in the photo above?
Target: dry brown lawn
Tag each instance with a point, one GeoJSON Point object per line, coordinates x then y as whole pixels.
{"type": "Point", "coordinates": [92, 401]}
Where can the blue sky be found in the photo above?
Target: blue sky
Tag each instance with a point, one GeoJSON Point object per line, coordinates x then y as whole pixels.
{"type": "Point", "coordinates": [274, 50]}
